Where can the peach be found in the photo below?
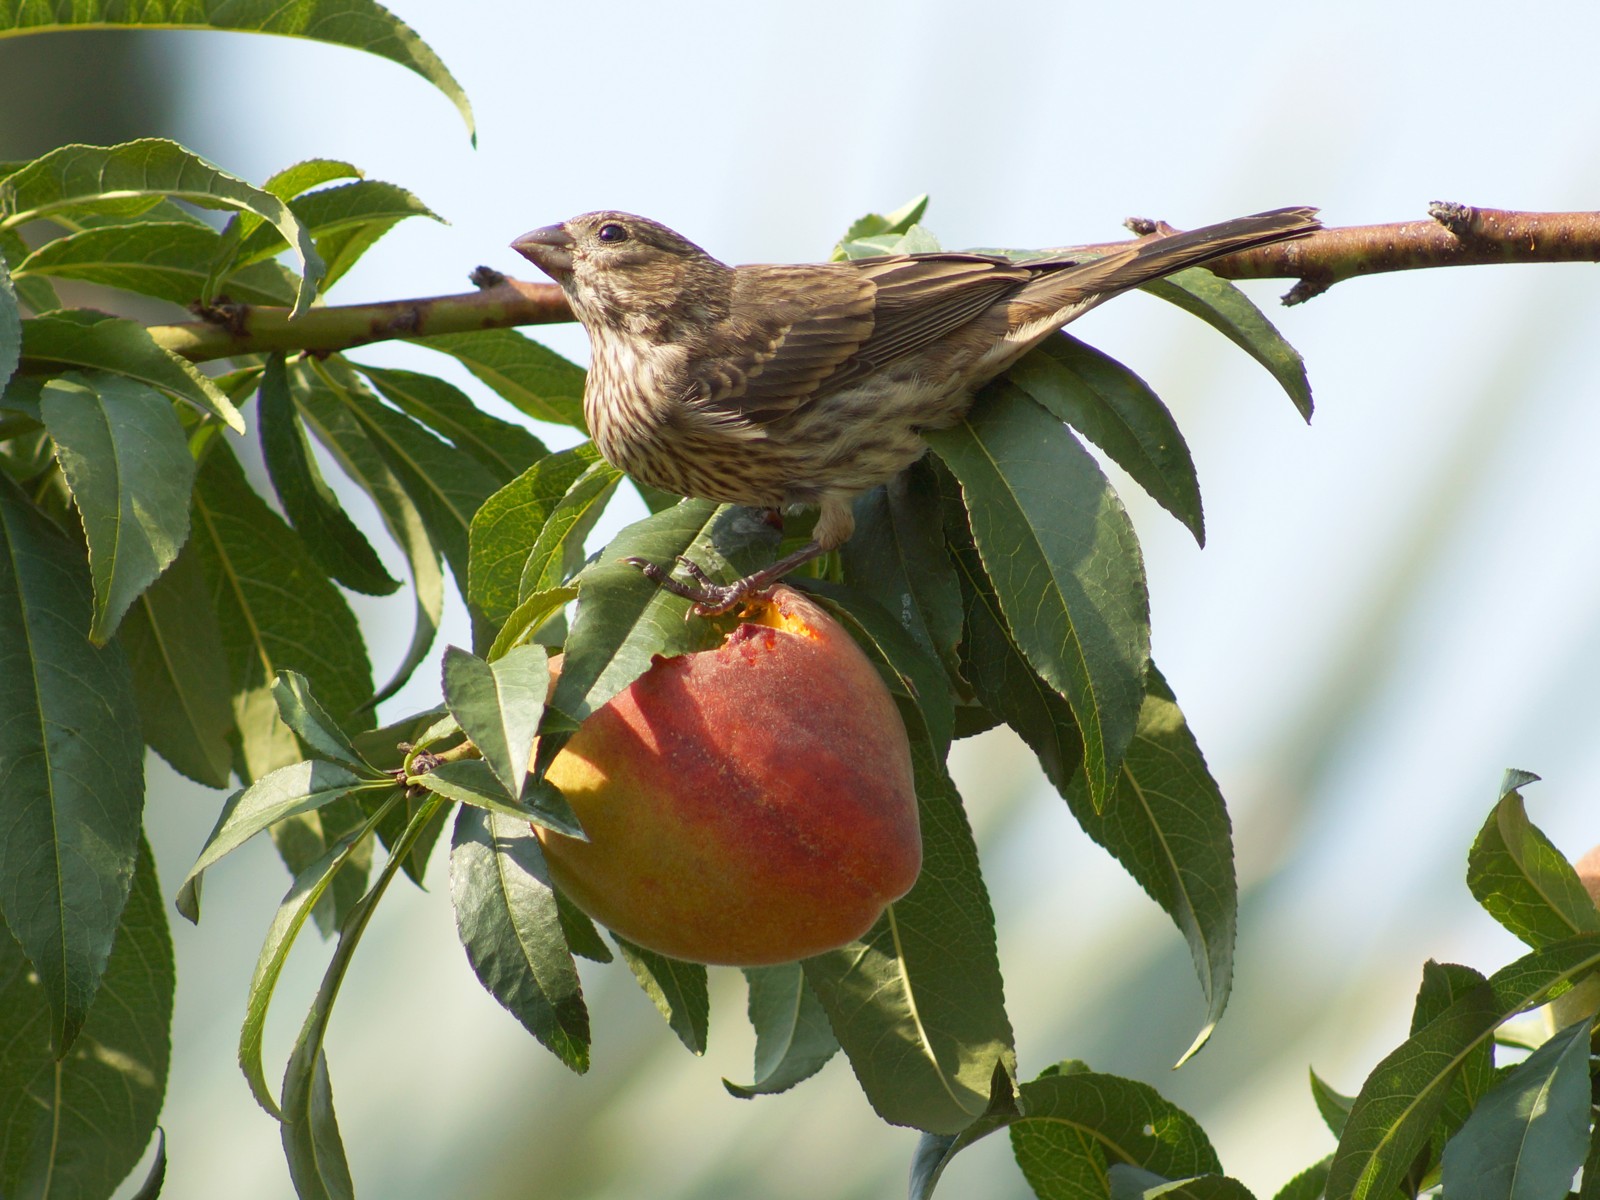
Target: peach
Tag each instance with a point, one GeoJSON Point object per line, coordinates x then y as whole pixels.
{"type": "Point", "coordinates": [1583, 1000]}
{"type": "Point", "coordinates": [745, 805]}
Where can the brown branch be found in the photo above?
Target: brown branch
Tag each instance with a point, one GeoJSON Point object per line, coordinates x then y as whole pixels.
{"type": "Point", "coordinates": [1456, 236]}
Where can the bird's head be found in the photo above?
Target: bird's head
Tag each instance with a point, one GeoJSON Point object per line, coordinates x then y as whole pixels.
{"type": "Point", "coordinates": [614, 263]}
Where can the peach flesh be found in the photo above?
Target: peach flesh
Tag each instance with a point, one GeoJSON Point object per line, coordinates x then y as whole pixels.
{"type": "Point", "coordinates": [745, 805]}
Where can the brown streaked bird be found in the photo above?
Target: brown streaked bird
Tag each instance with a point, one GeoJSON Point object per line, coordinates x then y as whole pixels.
{"type": "Point", "coordinates": [807, 384]}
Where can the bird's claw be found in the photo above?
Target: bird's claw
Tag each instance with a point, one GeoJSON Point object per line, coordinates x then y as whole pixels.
{"type": "Point", "coordinates": [711, 599]}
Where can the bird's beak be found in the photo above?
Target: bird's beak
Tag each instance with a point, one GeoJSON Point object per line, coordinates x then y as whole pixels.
{"type": "Point", "coordinates": [549, 249]}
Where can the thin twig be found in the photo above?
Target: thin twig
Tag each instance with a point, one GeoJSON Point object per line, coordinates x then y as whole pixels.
{"type": "Point", "coordinates": [1456, 236]}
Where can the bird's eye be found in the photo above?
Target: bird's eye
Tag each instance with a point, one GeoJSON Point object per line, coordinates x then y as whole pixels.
{"type": "Point", "coordinates": [612, 232]}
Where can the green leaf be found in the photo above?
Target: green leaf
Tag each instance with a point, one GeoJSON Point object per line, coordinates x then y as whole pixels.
{"type": "Point", "coordinates": [507, 917]}
{"type": "Point", "coordinates": [76, 1126]}
{"type": "Point", "coordinates": [498, 705]}
{"type": "Point", "coordinates": [917, 1003]}
{"type": "Point", "coordinates": [71, 767]}
{"type": "Point", "coordinates": [1131, 1183]}
{"type": "Point", "coordinates": [505, 449]}
{"type": "Point", "coordinates": [1066, 567]}
{"type": "Point", "coordinates": [1070, 1129]}
{"type": "Point", "coordinates": [897, 557]}
{"type": "Point", "coordinates": [1117, 411]}
{"type": "Point", "coordinates": [180, 674]}
{"type": "Point", "coordinates": [446, 485]}
{"type": "Point", "coordinates": [308, 502]}
{"type": "Point", "coordinates": [127, 461]}
{"type": "Point", "coordinates": [581, 933]}
{"type": "Point", "coordinates": [346, 439]}
{"type": "Point", "coordinates": [676, 988]}
{"type": "Point", "coordinates": [277, 611]}
{"type": "Point", "coordinates": [300, 711]}
{"type": "Point", "coordinates": [560, 542]}
{"type": "Point", "coordinates": [1334, 1106]}
{"type": "Point", "coordinates": [1165, 821]}
{"type": "Point", "coordinates": [1310, 1184]}
{"type": "Point", "coordinates": [345, 221]}
{"type": "Point", "coordinates": [624, 620]}
{"type": "Point", "coordinates": [157, 1175]}
{"type": "Point", "coordinates": [533, 379]}
{"type": "Point", "coordinates": [1528, 1136]}
{"type": "Point", "coordinates": [358, 24]}
{"type": "Point", "coordinates": [529, 618]}
{"type": "Point", "coordinates": [471, 782]}
{"type": "Point", "coordinates": [80, 176]}
{"type": "Point", "coordinates": [302, 899]}
{"type": "Point", "coordinates": [311, 1141]}
{"type": "Point", "coordinates": [10, 323]}
{"type": "Point", "coordinates": [877, 225]}
{"type": "Point", "coordinates": [793, 1038]}
{"type": "Point", "coordinates": [170, 260]}
{"type": "Point", "coordinates": [1224, 307]}
{"type": "Point", "coordinates": [508, 524]}
{"type": "Point", "coordinates": [93, 341]}
{"type": "Point", "coordinates": [302, 787]}
{"type": "Point", "coordinates": [1442, 985]}
{"type": "Point", "coordinates": [1393, 1115]}
{"type": "Point", "coordinates": [1524, 882]}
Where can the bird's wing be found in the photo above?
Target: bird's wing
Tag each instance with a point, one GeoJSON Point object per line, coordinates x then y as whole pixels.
{"type": "Point", "coordinates": [793, 331]}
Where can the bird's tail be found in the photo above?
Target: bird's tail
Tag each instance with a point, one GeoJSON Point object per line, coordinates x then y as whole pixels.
{"type": "Point", "coordinates": [1072, 287]}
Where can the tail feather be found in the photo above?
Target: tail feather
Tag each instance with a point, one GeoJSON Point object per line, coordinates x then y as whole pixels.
{"type": "Point", "coordinates": [1071, 287]}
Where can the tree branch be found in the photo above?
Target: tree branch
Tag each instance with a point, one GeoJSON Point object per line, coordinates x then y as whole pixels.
{"type": "Point", "coordinates": [1456, 236]}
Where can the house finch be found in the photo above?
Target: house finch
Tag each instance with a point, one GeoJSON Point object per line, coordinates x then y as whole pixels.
{"type": "Point", "coordinates": [807, 384]}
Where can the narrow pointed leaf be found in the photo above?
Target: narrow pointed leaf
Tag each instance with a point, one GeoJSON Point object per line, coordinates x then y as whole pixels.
{"type": "Point", "coordinates": [1394, 1113]}
{"type": "Point", "coordinates": [471, 782]}
{"type": "Point", "coordinates": [330, 535]}
{"type": "Point", "coordinates": [505, 449]}
{"type": "Point", "coordinates": [302, 787]}
{"type": "Point", "coordinates": [1227, 309]}
{"type": "Point", "coordinates": [151, 168]}
{"type": "Point", "coordinates": [560, 542]}
{"type": "Point", "coordinates": [357, 24]}
{"type": "Point", "coordinates": [897, 556]}
{"type": "Point", "coordinates": [1333, 1106]}
{"type": "Point", "coordinates": [277, 611]}
{"type": "Point", "coordinates": [793, 1038]}
{"type": "Point", "coordinates": [624, 620]}
{"type": "Point", "coordinates": [10, 323]}
{"type": "Point", "coordinates": [529, 617]}
{"type": "Point", "coordinates": [917, 1003]}
{"type": "Point", "coordinates": [534, 380]}
{"type": "Point", "coordinates": [1529, 1134]}
{"type": "Point", "coordinates": [71, 767]}
{"type": "Point", "coordinates": [127, 461]}
{"type": "Point", "coordinates": [297, 905]}
{"type": "Point", "coordinates": [1066, 567]}
{"type": "Point", "coordinates": [311, 1141]}
{"type": "Point", "coordinates": [1117, 411]}
{"type": "Point", "coordinates": [1524, 882]}
{"type": "Point", "coordinates": [347, 440]}
{"type": "Point", "coordinates": [676, 988]}
{"type": "Point", "coordinates": [507, 525]}
{"type": "Point", "coordinates": [180, 673]}
{"type": "Point", "coordinates": [1310, 1184]}
{"type": "Point", "coordinates": [498, 705]}
{"type": "Point", "coordinates": [170, 260]}
{"type": "Point", "coordinates": [300, 711]}
{"type": "Point", "coordinates": [93, 341]}
{"type": "Point", "coordinates": [1071, 1129]}
{"type": "Point", "coordinates": [77, 1126]}
{"type": "Point", "coordinates": [507, 917]}
{"type": "Point", "coordinates": [1166, 820]}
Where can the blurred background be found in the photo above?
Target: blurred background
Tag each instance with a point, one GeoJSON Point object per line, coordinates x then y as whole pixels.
{"type": "Point", "coordinates": [1394, 604]}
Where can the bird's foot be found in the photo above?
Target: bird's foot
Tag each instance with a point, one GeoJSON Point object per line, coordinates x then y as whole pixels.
{"type": "Point", "coordinates": [710, 598]}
